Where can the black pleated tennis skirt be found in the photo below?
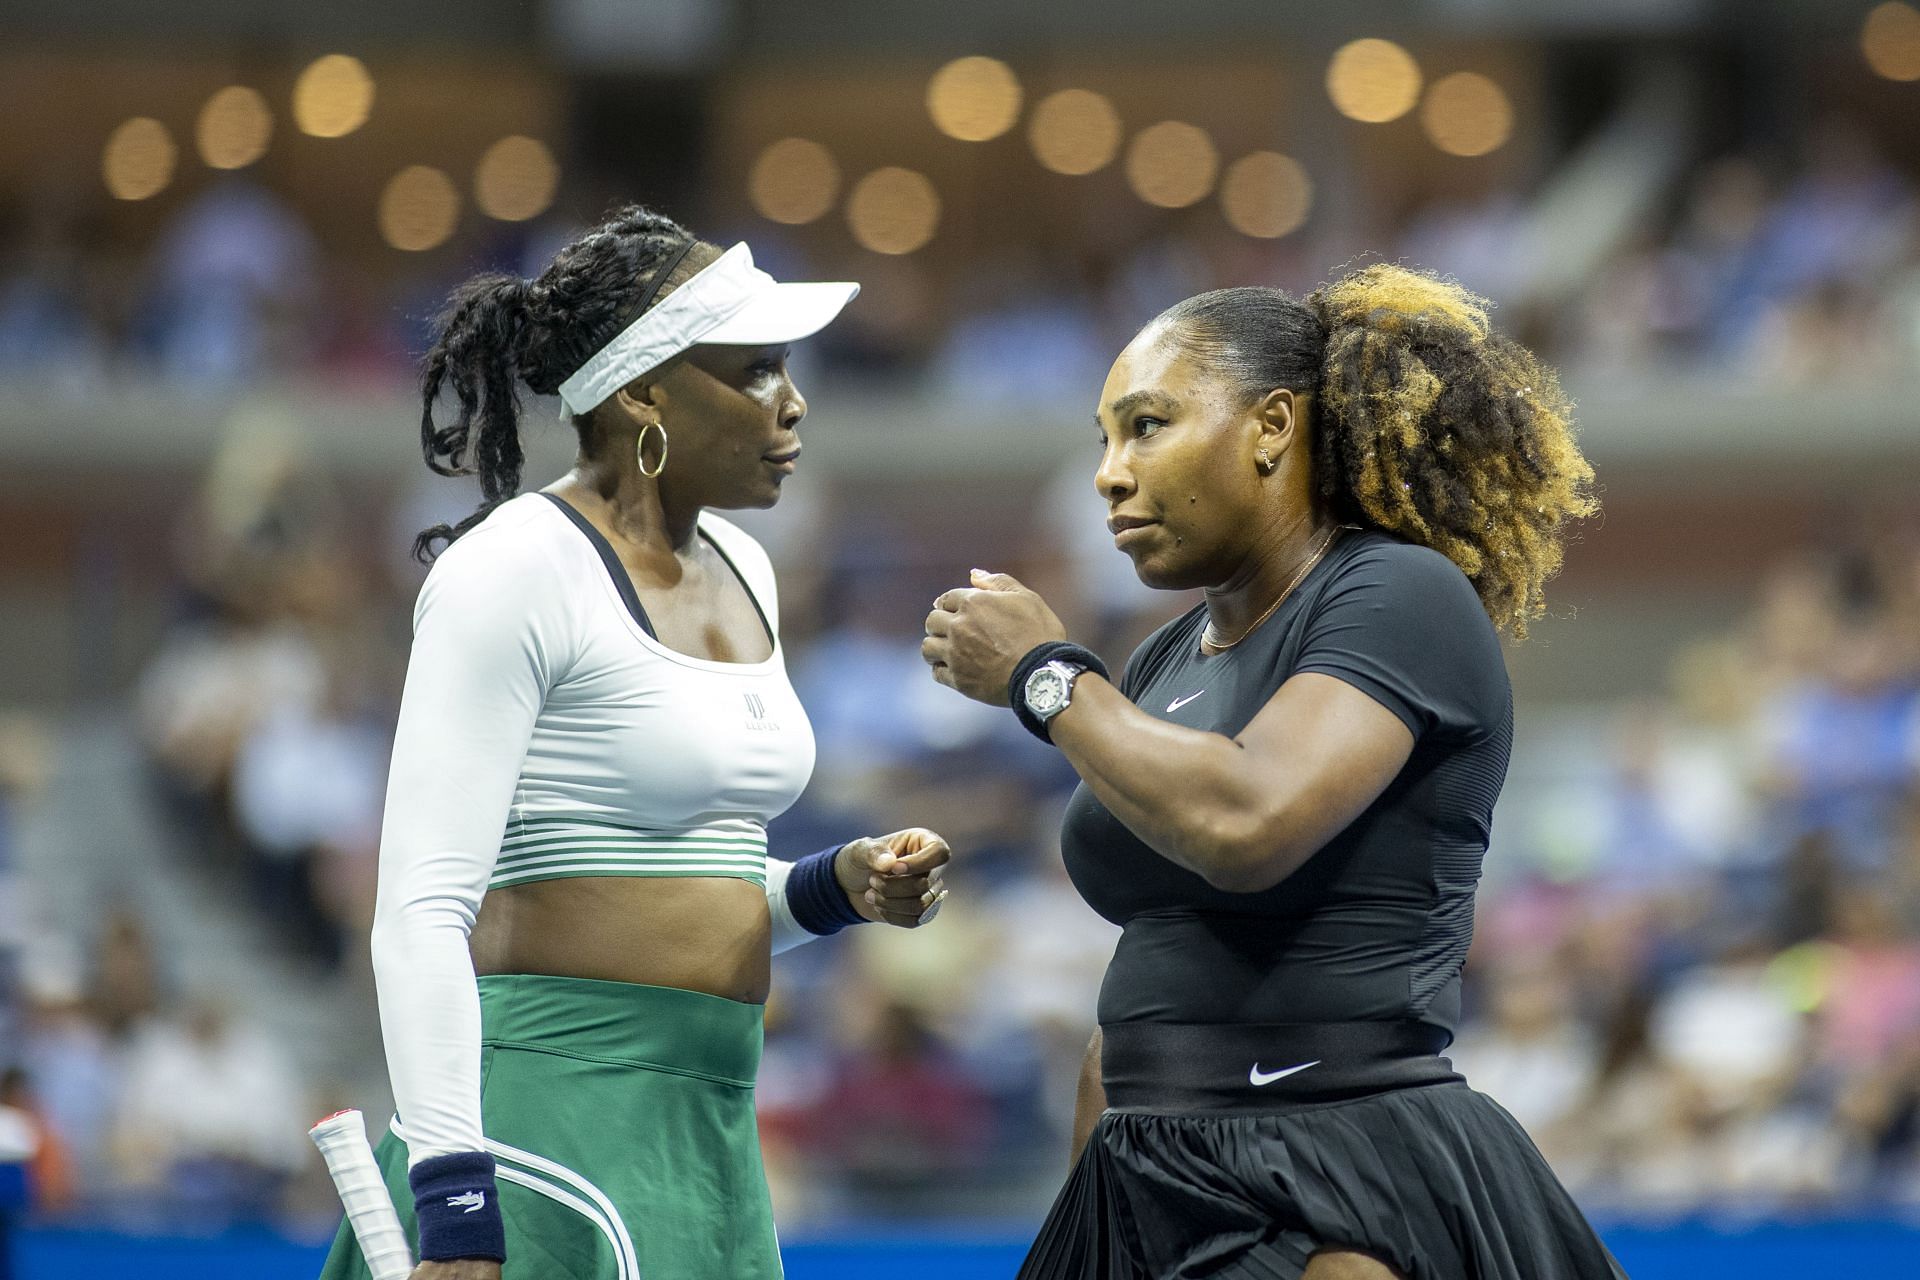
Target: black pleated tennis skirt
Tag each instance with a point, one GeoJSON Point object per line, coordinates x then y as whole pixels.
{"type": "Point", "coordinates": [1221, 1157]}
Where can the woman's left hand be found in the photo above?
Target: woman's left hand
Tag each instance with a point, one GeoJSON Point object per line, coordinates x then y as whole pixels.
{"type": "Point", "coordinates": [894, 879]}
{"type": "Point", "coordinates": [977, 635]}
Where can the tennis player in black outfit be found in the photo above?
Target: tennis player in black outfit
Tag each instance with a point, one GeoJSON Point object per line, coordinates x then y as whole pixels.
{"type": "Point", "coordinates": [1286, 798]}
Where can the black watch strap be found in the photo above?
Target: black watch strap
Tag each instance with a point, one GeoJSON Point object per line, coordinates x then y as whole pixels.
{"type": "Point", "coordinates": [1037, 657]}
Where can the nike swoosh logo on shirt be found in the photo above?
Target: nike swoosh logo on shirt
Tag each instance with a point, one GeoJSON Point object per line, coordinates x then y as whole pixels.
{"type": "Point", "coordinates": [1257, 1077]}
{"type": "Point", "coordinates": [1178, 703]}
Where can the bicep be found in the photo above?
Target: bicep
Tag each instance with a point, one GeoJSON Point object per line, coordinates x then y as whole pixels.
{"type": "Point", "coordinates": [1329, 751]}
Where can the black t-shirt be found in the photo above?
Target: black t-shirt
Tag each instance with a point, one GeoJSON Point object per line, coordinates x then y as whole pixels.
{"type": "Point", "coordinates": [1375, 925]}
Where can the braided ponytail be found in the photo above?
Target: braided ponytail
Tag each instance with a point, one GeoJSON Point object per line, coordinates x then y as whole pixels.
{"type": "Point", "coordinates": [499, 331]}
{"type": "Point", "coordinates": [1429, 424]}
{"type": "Point", "coordinates": [482, 336]}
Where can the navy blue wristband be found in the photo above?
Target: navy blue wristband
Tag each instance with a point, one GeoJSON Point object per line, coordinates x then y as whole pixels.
{"type": "Point", "coordinates": [458, 1207]}
{"type": "Point", "coordinates": [819, 904]}
{"type": "Point", "coordinates": [1037, 657]}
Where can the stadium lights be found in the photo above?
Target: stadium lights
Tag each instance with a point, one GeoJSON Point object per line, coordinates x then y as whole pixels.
{"type": "Point", "coordinates": [418, 209]}
{"type": "Point", "coordinates": [893, 211]}
{"type": "Point", "coordinates": [333, 96]}
{"type": "Point", "coordinates": [234, 128]}
{"type": "Point", "coordinates": [1466, 114]}
{"type": "Point", "coordinates": [1890, 41]}
{"type": "Point", "coordinates": [516, 179]}
{"type": "Point", "coordinates": [974, 99]}
{"type": "Point", "coordinates": [138, 160]}
{"type": "Point", "coordinates": [1373, 81]}
{"type": "Point", "coordinates": [794, 180]}
{"type": "Point", "coordinates": [1266, 195]}
{"type": "Point", "coordinates": [1075, 131]}
{"type": "Point", "coordinates": [1172, 164]}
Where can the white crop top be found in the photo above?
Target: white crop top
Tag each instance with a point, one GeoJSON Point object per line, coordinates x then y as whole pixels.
{"type": "Point", "coordinates": [684, 760]}
{"type": "Point", "coordinates": [543, 733]}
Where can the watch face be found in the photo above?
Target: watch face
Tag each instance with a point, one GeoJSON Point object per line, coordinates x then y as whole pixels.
{"type": "Point", "coordinates": [1046, 692]}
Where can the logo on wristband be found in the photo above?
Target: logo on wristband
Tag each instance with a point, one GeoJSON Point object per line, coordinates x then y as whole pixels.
{"type": "Point", "coordinates": [468, 1201]}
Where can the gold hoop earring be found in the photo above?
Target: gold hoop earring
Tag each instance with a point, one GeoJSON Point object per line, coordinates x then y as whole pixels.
{"type": "Point", "coordinates": [640, 451]}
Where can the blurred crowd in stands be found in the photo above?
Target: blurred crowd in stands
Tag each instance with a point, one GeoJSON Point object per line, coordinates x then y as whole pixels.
{"type": "Point", "coordinates": [1696, 977]}
{"type": "Point", "coordinates": [1697, 973]}
{"type": "Point", "coordinates": [1802, 261]}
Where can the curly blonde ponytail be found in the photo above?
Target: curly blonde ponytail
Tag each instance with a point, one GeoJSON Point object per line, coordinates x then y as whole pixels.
{"type": "Point", "coordinates": [1450, 434]}
{"type": "Point", "coordinates": [1429, 424]}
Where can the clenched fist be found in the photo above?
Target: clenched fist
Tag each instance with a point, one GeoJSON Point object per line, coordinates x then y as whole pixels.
{"type": "Point", "coordinates": [977, 635]}
{"type": "Point", "coordinates": [894, 879]}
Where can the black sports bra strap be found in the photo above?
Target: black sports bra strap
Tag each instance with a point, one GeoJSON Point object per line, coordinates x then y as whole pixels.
{"type": "Point", "coordinates": [622, 580]}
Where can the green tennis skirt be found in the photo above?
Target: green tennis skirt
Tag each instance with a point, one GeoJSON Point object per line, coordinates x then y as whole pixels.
{"type": "Point", "coordinates": [621, 1120]}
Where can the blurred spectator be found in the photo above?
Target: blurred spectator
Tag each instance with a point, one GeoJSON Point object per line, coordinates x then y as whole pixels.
{"type": "Point", "coordinates": [1041, 980]}
{"type": "Point", "coordinates": [1840, 223]}
{"type": "Point", "coordinates": [46, 332]}
{"type": "Point", "coordinates": [1880, 1110]}
{"type": "Point", "coordinates": [71, 1063]}
{"type": "Point", "coordinates": [126, 976]}
{"type": "Point", "coordinates": [267, 714]}
{"type": "Point", "coordinates": [900, 1114]}
{"type": "Point", "coordinates": [1731, 1029]}
{"type": "Point", "coordinates": [51, 1188]}
{"type": "Point", "coordinates": [233, 282]}
{"type": "Point", "coordinates": [1535, 1057]}
{"type": "Point", "coordinates": [1872, 1003]}
{"type": "Point", "coordinates": [1039, 339]}
{"type": "Point", "coordinates": [212, 1117]}
{"type": "Point", "coordinates": [1838, 726]}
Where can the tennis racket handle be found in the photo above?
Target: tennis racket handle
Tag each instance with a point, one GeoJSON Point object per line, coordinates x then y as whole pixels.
{"type": "Point", "coordinates": [342, 1139]}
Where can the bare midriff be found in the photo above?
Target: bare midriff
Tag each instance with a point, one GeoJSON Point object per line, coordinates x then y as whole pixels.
{"type": "Point", "coordinates": [698, 933]}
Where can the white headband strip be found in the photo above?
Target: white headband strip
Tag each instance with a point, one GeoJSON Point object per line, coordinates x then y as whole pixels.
{"type": "Point", "coordinates": [714, 295]}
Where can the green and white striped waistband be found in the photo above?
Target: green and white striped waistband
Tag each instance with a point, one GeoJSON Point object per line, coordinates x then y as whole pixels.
{"type": "Point", "coordinates": [555, 849]}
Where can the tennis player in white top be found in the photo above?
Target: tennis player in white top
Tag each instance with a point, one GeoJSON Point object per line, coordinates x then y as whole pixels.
{"type": "Point", "coordinates": [576, 908]}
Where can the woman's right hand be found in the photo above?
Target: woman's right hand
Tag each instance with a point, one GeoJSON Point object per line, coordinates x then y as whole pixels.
{"type": "Point", "coordinates": [894, 879]}
{"type": "Point", "coordinates": [458, 1269]}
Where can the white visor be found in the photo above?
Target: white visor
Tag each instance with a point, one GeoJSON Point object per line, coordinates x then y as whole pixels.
{"type": "Point", "coordinates": [731, 302]}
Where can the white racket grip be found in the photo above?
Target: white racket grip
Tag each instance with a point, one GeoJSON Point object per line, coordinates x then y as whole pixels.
{"type": "Point", "coordinates": [342, 1139]}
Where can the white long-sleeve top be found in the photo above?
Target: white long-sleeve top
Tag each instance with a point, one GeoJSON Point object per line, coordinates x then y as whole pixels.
{"type": "Point", "coordinates": [541, 716]}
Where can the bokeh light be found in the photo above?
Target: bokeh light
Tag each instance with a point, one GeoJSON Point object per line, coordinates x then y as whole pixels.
{"type": "Point", "coordinates": [1373, 81]}
{"type": "Point", "coordinates": [974, 99]}
{"type": "Point", "coordinates": [234, 128]}
{"type": "Point", "coordinates": [1890, 39]}
{"type": "Point", "coordinates": [419, 208]}
{"type": "Point", "coordinates": [1266, 194]}
{"type": "Point", "coordinates": [893, 210]}
{"type": "Point", "coordinates": [1172, 164]}
{"type": "Point", "coordinates": [139, 159]}
{"type": "Point", "coordinates": [515, 179]}
{"type": "Point", "coordinates": [1467, 114]}
{"type": "Point", "coordinates": [1075, 131]}
{"type": "Point", "coordinates": [795, 181]}
{"type": "Point", "coordinates": [333, 96]}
